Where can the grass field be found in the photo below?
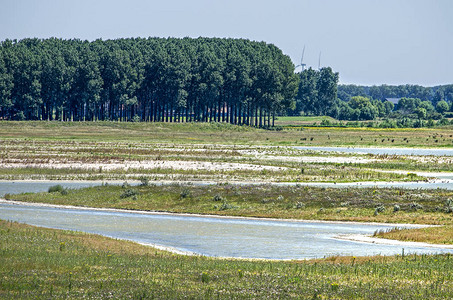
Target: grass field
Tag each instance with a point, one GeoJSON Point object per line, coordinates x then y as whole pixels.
{"type": "Point", "coordinates": [42, 263]}
{"type": "Point", "coordinates": [292, 202]}
{"type": "Point", "coordinates": [301, 120]}
{"type": "Point", "coordinates": [220, 133]}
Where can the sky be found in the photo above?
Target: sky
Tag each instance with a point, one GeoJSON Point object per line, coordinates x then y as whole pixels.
{"type": "Point", "coordinates": [369, 42]}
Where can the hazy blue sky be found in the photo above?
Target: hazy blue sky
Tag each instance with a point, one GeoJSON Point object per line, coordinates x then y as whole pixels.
{"type": "Point", "coordinates": [367, 41]}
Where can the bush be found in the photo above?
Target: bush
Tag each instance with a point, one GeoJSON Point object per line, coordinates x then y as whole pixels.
{"type": "Point", "coordinates": [144, 181]}
{"type": "Point", "coordinates": [136, 118]}
{"type": "Point", "coordinates": [326, 122]}
{"type": "Point", "coordinates": [449, 205]}
{"type": "Point", "coordinates": [58, 188]}
{"type": "Point", "coordinates": [396, 208]}
{"type": "Point", "coordinates": [299, 205]}
{"type": "Point", "coordinates": [415, 206]}
{"type": "Point", "coordinates": [443, 122]}
{"type": "Point", "coordinates": [128, 193]}
{"type": "Point", "coordinates": [205, 277]}
{"type": "Point", "coordinates": [217, 197]}
{"type": "Point", "coordinates": [184, 193]}
{"type": "Point", "coordinates": [379, 210]}
{"type": "Point", "coordinates": [225, 206]}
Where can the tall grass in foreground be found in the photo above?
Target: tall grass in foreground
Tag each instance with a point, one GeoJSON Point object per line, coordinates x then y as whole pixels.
{"type": "Point", "coordinates": [44, 264]}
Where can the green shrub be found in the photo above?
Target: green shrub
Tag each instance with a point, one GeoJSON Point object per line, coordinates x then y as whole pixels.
{"type": "Point", "coordinates": [415, 206]}
{"type": "Point", "coordinates": [449, 205]}
{"type": "Point", "coordinates": [299, 205]}
{"type": "Point", "coordinates": [58, 188]}
{"type": "Point", "coordinates": [225, 206]}
{"type": "Point", "coordinates": [205, 277]}
{"type": "Point", "coordinates": [217, 197]}
{"type": "Point", "coordinates": [144, 181]}
{"type": "Point", "coordinates": [184, 193]}
{"type": "Point", "coordinates": [128, 193]}
{"type": "Point", "coordinates": [379, 210]}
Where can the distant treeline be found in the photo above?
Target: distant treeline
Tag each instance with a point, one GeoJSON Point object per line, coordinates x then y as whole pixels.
{"type": "Point", "coordinates": [409, 102]}
{"type": "Point", "coordinates": [381, 92]}
{"type": "Point", "coordinates": [319, 94]}
{"type": "Point", "coordinates": [154, 79]}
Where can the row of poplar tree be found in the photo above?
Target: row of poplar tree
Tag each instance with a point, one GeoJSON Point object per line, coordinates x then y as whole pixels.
{"type": "Point", "coordinates": [153, 79]}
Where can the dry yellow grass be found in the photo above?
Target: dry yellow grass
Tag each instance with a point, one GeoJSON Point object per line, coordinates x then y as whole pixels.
{"type": "Point", "coordinates": [432, 235]}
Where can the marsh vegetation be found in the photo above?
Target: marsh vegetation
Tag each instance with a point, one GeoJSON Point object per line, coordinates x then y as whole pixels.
{"type": "Point", "coordinates": [107, 150]}
{"type": "Point", "coordinates": [266, 200]}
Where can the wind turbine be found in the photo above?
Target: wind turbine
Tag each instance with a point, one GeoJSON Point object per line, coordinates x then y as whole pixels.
{"type": "Point", "coordinates": [302, 65]}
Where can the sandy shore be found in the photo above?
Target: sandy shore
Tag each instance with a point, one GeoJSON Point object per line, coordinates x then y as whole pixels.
{"type": "Point", "coordinates": [316, 159]}
{"type": "Point", "coordinates": [146, 165]}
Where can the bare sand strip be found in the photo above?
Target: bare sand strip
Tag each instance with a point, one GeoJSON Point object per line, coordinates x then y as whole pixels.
{"type": "Point", "coordinates": [316, 159]}
{"type": "Point", "coordinates": [146, 165]}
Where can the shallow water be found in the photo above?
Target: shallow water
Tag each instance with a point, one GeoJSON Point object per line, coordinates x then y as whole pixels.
{"type": "Point", "coordinates": [213, 236]}
{"type": "Point", "coordinates": [382, 151]}
{"type": "Point", "coordinates": [25, 186]}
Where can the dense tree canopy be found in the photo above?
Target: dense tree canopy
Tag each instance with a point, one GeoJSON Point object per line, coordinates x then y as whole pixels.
{"type": "Point", "coordinates": [317, 92]}
{"type": "Point", "coordinates": [363, 108]}
{"type": "Point", "coordinates": [154, 79]}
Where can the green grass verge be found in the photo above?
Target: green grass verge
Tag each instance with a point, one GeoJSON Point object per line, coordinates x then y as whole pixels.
{"type": "Point", "coordinates": [38, 263]}
{"type": "Point", "coordinates": [294, 202]}
{"type": "Point", "coordinates": [301, 120]}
